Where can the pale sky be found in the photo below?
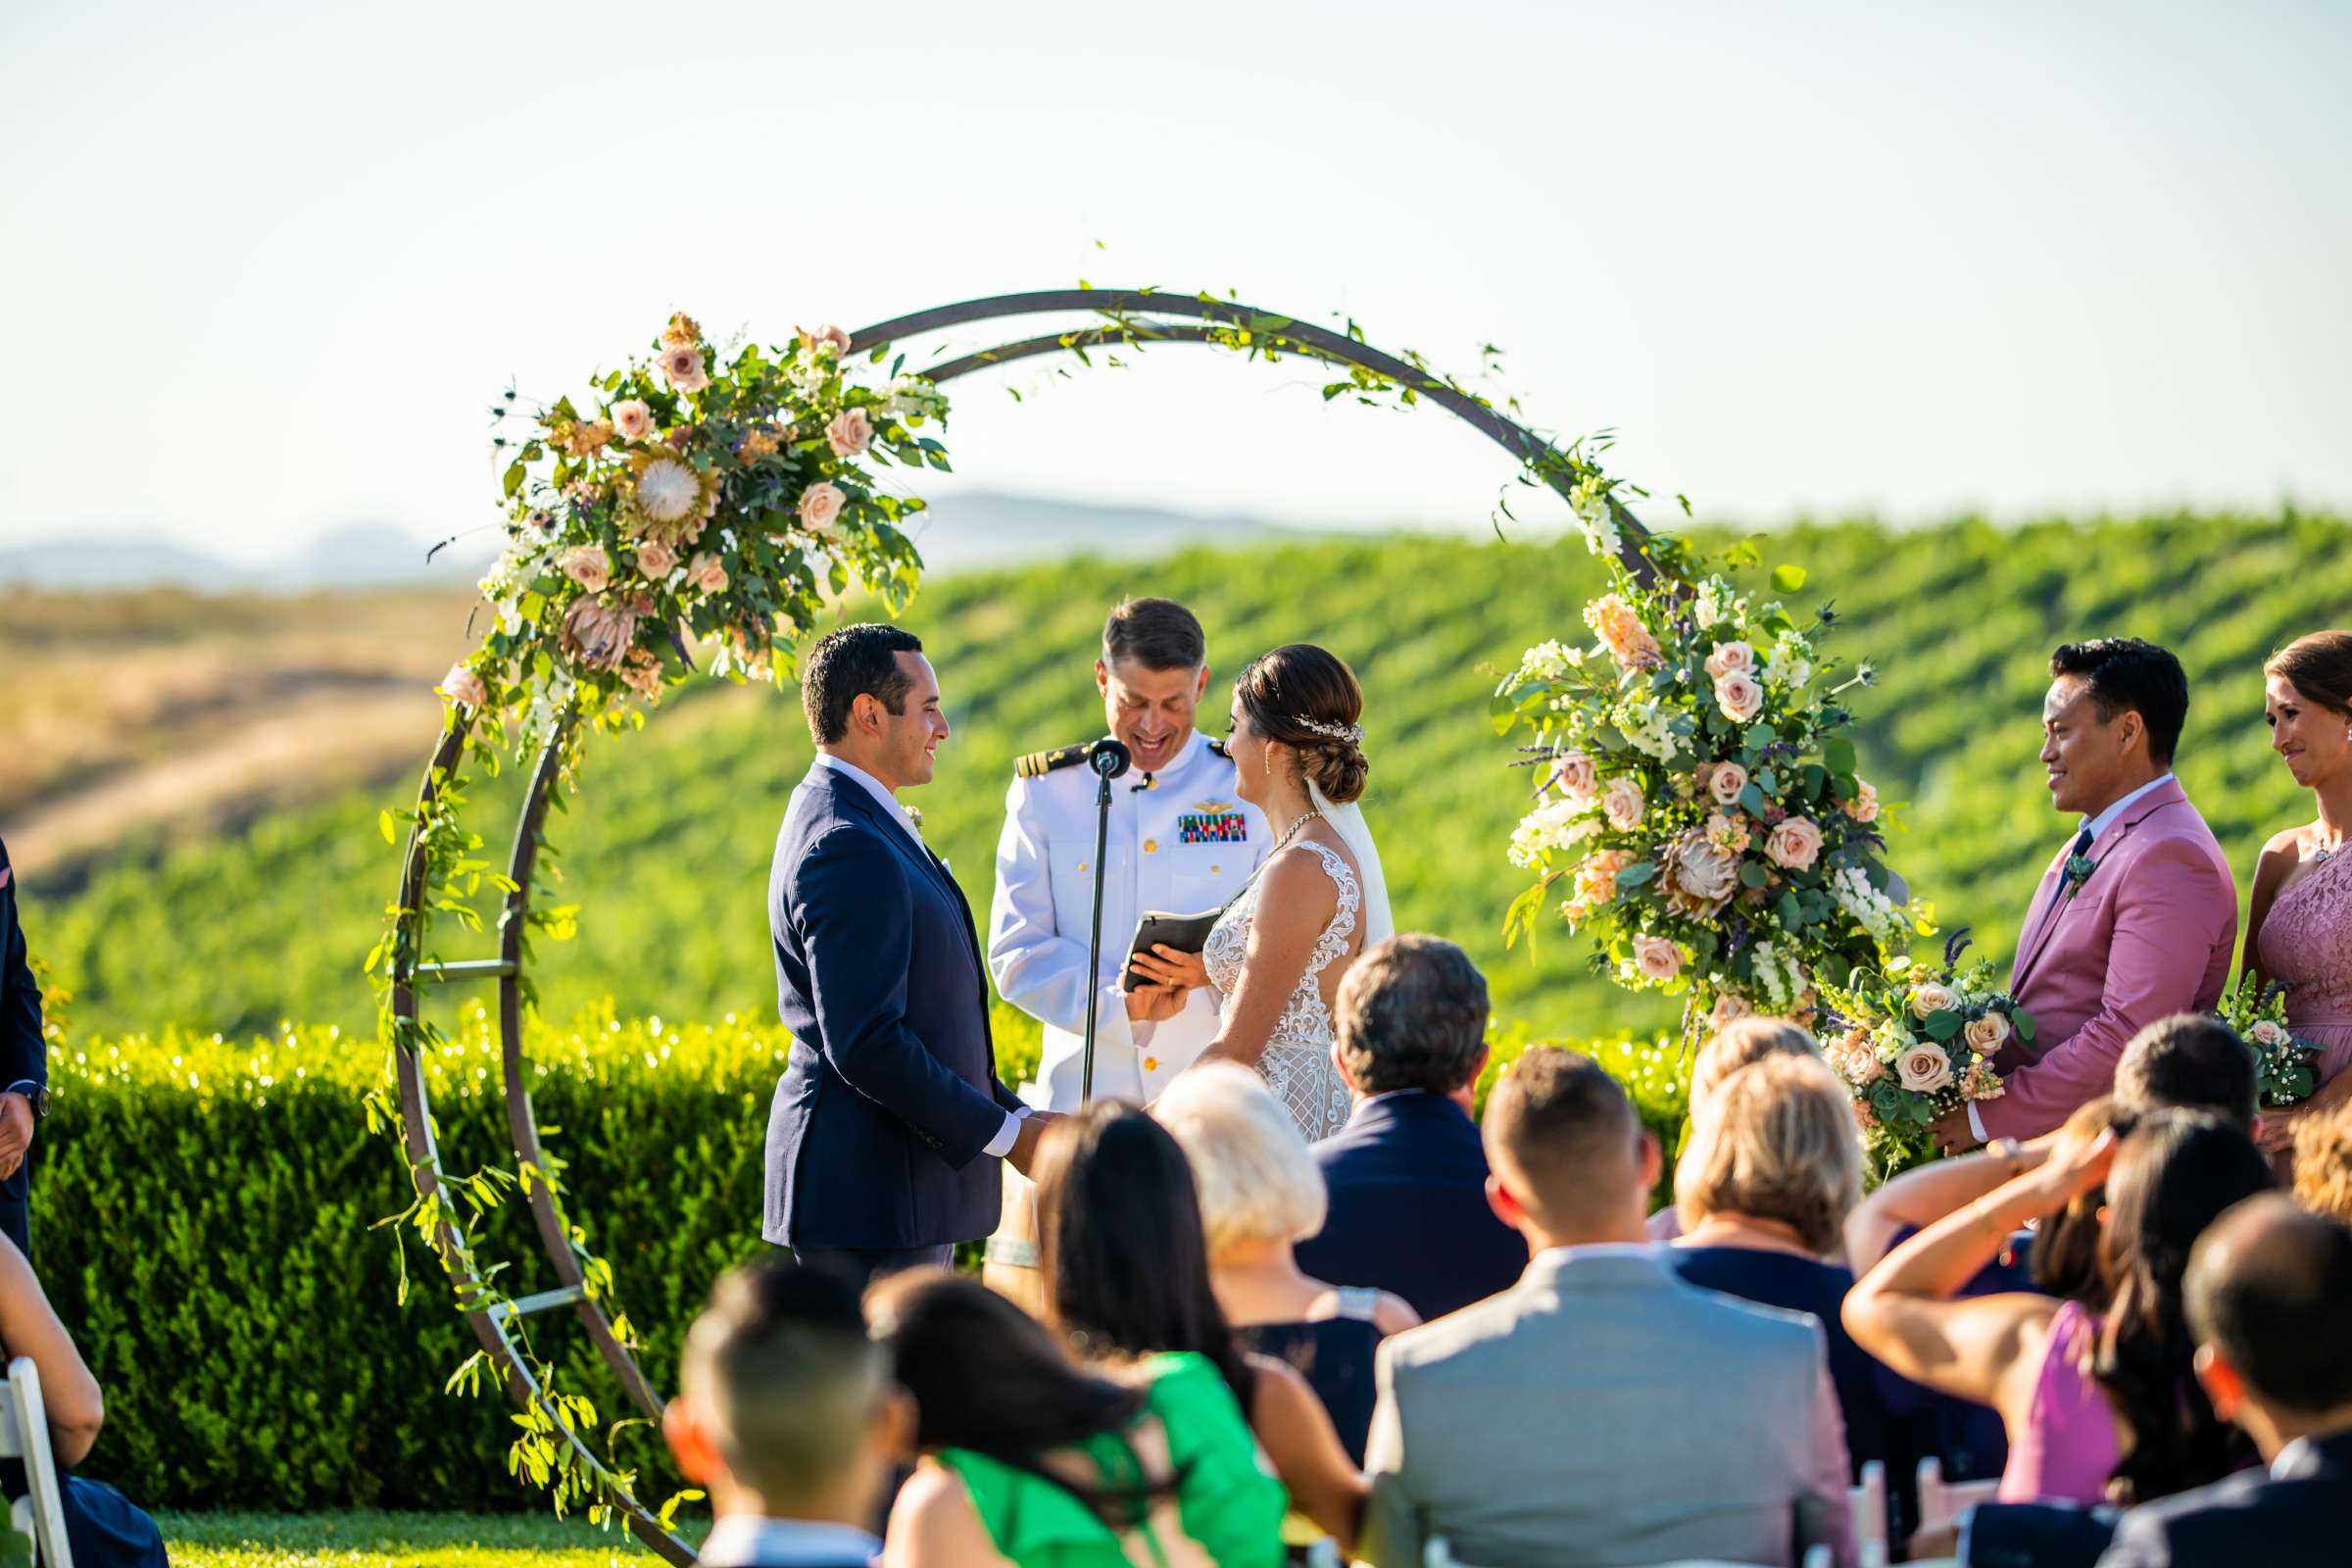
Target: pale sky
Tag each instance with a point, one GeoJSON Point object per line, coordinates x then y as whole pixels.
{"type": "Point", "coordinates": [265, 265]}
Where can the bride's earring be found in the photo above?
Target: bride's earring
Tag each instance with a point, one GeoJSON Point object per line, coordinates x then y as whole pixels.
{"type": "Point", "coordinates": [1268, 755]}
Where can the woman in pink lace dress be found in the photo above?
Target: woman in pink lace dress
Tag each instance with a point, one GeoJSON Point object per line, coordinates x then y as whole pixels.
{"type": "Point", "coordinates": [2299, 927]}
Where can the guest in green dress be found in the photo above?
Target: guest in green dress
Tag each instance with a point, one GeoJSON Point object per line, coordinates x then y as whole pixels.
{"type": "Point", "coordinates": [1031, 1460]}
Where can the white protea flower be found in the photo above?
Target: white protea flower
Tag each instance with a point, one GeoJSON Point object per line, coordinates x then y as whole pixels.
{"type": "Point", "coordinates": [667, 490]}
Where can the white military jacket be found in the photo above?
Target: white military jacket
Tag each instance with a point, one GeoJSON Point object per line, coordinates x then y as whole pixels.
{"type": "Point", "coordinates": [1183, 842]}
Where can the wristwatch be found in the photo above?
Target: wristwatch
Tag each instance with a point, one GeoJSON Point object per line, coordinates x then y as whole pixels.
{"type": "Point", "coordinates": [35, 1095]}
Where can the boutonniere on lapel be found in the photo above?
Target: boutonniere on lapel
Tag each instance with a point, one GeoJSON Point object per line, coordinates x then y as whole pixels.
{"type": "Point", "coordinates": [2078, 871]}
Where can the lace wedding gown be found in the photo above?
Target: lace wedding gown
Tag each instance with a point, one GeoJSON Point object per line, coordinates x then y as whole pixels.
{"type": "Point", "coordinates": [1297, 1062]}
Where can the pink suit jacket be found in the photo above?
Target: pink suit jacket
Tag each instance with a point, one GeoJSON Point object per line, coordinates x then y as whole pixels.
{"type": "Point", "coordinates": [2150, 933]}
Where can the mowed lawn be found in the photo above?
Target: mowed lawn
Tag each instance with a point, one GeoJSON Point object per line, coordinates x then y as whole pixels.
{"type": "Point", "coordinates": [370, 1540]}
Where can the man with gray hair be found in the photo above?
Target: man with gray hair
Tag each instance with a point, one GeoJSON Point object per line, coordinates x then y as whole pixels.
{"type": "Point", "coordinates": [1406, 1176]}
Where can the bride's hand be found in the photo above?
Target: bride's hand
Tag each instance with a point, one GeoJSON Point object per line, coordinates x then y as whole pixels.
{"type": "Point", "coordinates": [1153, 1003]}
{"type": "Point", "coordinates": [1164, 966]}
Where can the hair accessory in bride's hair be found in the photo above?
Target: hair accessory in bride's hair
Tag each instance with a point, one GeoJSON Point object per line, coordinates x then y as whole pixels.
{"type": "Point", "coordinates": [1352, 734]}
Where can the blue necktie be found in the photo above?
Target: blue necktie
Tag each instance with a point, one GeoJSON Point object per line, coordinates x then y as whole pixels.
{"type": "Point", "coordinates": [2081, 842]}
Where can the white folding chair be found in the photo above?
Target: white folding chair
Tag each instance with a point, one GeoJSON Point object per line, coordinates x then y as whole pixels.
{"type": "Point", "coordinates": [24, 1436]}
{"type": "Point", "coordinates": [1870, 1516]}
{"type": "Point", "coordinates": [1942, 1502]}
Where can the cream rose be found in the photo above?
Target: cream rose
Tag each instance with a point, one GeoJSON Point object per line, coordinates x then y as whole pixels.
{"type": "Point", "coordinates": [1933, 998]}
{"type": "Point", "coordinates": [1923, 1069]}
{"type": "Point", "coordinates": [2267, 1032]}
{"type": "Point", "coordinates": [463, 685]}
{"type": "Point", "coordinates": [826, 342]}
{"type": "Point", "coordinates": [850, 432]}
{"type": "Point", "coordinates": [1728, 1008]}
{"type": "Point", "coordinates": [820, 503]}
{"type": "Point", "coordinates": [589, 567]}
{"type": "Point", "coordinates": [656, 560]}
{"type": "Point", "coordinates": [1985, 1035]}
{"type": "Point", "coordinates": [1795, 844]}
{"type": "Point", "coordinates": [1657, 958]}
{"type": "Point", "coordinates": [1864, 806]}
{"type": "Point", "coordinates": [1740, 697]}
{"type": "Point", "coordinates": [1731, 658]}
{"type": "Point", "coordinates": [706, 575]}
{"type": "Point", "coordinates": [682, 364]}
{"type": "Point", "coordinates": [1726, 783]}
{"type": "Point", "coordinates": [1574, 775]}
{"type": "Point", "coordinates": [1622, 804]}
{"type": "Point", "coordinates": [1863, 1067]}
{"type": "Point", "coordinates": [632, 419]}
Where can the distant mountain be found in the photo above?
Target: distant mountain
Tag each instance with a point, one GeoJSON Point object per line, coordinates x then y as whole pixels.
{"type": "Point", "coordinates": [982, 528]}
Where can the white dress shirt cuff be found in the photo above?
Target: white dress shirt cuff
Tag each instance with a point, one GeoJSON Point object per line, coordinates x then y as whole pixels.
{"type": "Point", "coordinates": [1001, 1145]}
{"type": "Point", "coordinates": [1976, 1123]}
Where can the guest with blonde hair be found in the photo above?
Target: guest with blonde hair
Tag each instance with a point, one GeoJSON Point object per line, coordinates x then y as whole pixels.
{"type": "Point", "coordinates": [1763, 1188]}
{"type": "Point", "coordinates": [2324, 1163]}
{"type": "Point", "coordinates": [1731, 1048]}
{"type": "Point", "coordinates": [1261, 1193]}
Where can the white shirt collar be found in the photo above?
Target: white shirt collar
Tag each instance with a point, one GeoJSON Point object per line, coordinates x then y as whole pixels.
{"type": "Point", "coordinates": [872, 786]}
{"type": "Point", "coordinates": [2290, 1460]}
{"type": "Point", "coordinates": [1185, 754]}
{"type": "Point", "coordinates": [740, 1540]}
{"type": "Point", "coordinates": [2106, 819]}
{"type": "Point", "coordinates": [1569, 1255]}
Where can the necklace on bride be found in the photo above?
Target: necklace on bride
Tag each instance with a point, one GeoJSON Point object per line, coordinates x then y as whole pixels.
{"type": "Point", "coordinates": [1297, 827]}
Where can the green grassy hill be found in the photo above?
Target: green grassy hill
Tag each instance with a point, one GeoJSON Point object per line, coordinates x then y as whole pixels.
{"type": "Point", "coordinates": [667, 844]}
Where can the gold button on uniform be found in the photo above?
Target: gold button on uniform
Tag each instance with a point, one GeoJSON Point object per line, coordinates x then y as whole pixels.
{"type": "Point", "coordinates": [1150, 1064]}
{"type": "Point", "coordinates": [1150, 846]}
{"type": "Point", "coordinates": [1081, 866]}
{"type": "Point", "coordinates": [1214, 869]}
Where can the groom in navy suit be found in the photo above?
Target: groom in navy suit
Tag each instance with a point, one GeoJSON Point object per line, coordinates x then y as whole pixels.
{"type": "Point", "coordinates": [887, 1125]}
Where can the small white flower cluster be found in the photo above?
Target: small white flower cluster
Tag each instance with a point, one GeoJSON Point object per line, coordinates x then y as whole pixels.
{"type": "Point", "coordinates": [1547, 661]}
{"type": "Point", "coordinates": [1648, 729]}
{"type": "Point", "coordinates": [1714, 604]}
{"type": "Point", "coordinates": [1792, 662]}
{"type": "Point", "coordinates": [1780, 978]}
{"type": "Point", "coordinates": [1871, 910]}
{"type": "Point", "coordinates": [911, 394]}
{"type": "Point", "coordinates": [1588, 498]}
{"type": "Point", "coordinates": [1556, 824]}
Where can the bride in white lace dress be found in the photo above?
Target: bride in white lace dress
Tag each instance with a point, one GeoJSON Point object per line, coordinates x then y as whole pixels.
{"type": "Point", "coordinates": [1279, 952]}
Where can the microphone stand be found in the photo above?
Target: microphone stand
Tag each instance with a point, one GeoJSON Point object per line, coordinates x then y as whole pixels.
{"type": "Point", "coordinates": [1108, 759]}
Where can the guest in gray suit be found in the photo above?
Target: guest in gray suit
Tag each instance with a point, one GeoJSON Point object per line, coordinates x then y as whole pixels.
{"type": "Point", "coordinates": [1599, 1412]}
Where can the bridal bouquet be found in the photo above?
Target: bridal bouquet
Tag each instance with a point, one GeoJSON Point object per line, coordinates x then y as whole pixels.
{"type": "Point", "coordinates": [2285, 1069]}
{"type": "Point", "coordinates": [1699, 813]}
{"type": "Point", "coordinates": [689, 497]}
{"type": "Point", "coordinates": [1915, 1042]}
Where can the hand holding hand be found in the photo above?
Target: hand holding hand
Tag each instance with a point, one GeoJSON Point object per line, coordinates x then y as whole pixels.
{"type": "Point", "coordinates": [1168, 966]}
{"type": "Point", "coordinates": [1154, 1004]}
{"type": "Point", "coordinates": [1023, 1152]}
{"type": "Point", "coordinates": [15, 1133]}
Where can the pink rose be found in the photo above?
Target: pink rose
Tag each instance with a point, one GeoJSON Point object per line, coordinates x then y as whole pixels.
{"type": "Point", "coordinates": [1575, 776]}
{"type": "Point", "coordinates": [2267, 1032]}
{"type": "Point", "coordinates": [589, 567]}
{"type": "Point", "coordinates": [1728, 1008]}
{"type": "Point", "coordinates": [820, 503]}
{"type": "Point", "coordinates": [463, 685]}
{"type": "Point", "coordinates": [827, 342]}
{"type": "Point", "coordinates": [1863, 1067]}
{"type": "Point", "coordinates": [1731, 658]}
{"type": "Point", "coordinates": [1740, 697]}
{"type": "Point", "coordinates": [1986, 1033]}
{"type": "Point", "coordinates": [1622, 805]}
{"type": "Point", "coordinates": [849, 432]}
{"type": "Point", "coordinates": [1864, 806]}
{"type": "Point", "coordinates": [1726, 783]}
{"type": "Point", "coordinates": [1657, 958]}
{"type": "Point", "coordinates": [706, 575]}
{"type": "Point", "coordinates": [1795, 844]}
{"type": "Point", "coordinates": [632, 419]}
{"type": "Point", "coordinates": [1923, 1068]}
{"type": "Point", "coordinates": [682, 364]}
{"type": "Point", "coordinates": [656, 558]}
{"type": "Point", "coordinates": [1934, 998]}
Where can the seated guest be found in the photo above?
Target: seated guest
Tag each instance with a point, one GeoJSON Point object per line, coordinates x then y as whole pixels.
{"type": "Point", "coordinates": [2189, 1061]}
{"type": "Point", "coordinates": [1767, 1180]}
{"type": "Point", "coordinates": [786, 1416]}
{"type": "Point", "coordinates": [1125, 1267]}
{"type": "Point", "coordinates": [1738, 1044]}
{"type": "Point", "coordinates": [2323, 1162]}
{"type": "Point", "coordinates": [1600, 1411]}
{"type": "Point", "coordinates": [1406, 1177]}
{"type": "Point", "coordinates": [2097, 1404]}
{"type": "Point", "coordinates": [1031, 1461]}
{"type": "Point", "coordinates": [2265, 1295]}
{"type": "Point", "coordinates": [103, 1527]}
{"type": "Point", "coordinates": [1260, 1191]}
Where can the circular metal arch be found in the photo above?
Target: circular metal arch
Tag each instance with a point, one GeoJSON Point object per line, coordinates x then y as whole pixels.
{"type": "Point", "coordinates": [1133, 317]}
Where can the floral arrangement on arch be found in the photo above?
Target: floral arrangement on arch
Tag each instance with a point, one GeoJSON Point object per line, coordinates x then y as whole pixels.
{"type": "Point", "coordinates": [1699, 814]}
{"type": "Point", "coordinates": [2285, 1067]}
{"type": "Point", "coordinates": [1914, 1042]}
{"type": "Point", "coordinates": [691, 498]}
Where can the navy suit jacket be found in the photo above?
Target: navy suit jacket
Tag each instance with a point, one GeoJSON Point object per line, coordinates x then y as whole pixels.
{"type": "Point", "coordinates": [2302, 1516]}
{"type": "Point", "coordinates": [22, 1055]}
{"type": "Point", "coordinates": [890, 1093]}
{"type": "Point", "coordinates": [1409, 1206]}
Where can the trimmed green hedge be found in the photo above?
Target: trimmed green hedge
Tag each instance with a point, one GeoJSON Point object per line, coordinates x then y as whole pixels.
{"type": "Point", "coordinates": [203, 1213]}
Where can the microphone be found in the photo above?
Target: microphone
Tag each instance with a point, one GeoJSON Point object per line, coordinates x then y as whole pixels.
{"type": "Point", "coordinates": [1108, 759]}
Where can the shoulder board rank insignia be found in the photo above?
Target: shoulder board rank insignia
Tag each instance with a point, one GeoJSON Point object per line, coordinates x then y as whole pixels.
{"type": "Point", "coordinates": [1037, 764]}
{"type": "Point", "coordinates": [1217, 746]}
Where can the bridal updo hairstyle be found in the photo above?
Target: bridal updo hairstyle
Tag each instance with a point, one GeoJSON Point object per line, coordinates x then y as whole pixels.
{"type": "Point", "coordinates": [1300, 681]}
{"type": "Point", "coordinates": [2320, 666]}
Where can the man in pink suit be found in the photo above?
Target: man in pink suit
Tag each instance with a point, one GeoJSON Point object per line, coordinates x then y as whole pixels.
{"type": "Point", "coordinates": [2136, 918]}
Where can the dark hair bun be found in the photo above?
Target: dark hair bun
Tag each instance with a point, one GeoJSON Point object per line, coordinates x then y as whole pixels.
{"type": "Point", "coordinates": [1306, 698]}
{"type": "Point", "coordinates": [1337, 768]}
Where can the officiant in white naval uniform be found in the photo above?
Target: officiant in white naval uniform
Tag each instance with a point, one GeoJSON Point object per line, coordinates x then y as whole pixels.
{"type": "Point", "coordinates": [1182, 841]}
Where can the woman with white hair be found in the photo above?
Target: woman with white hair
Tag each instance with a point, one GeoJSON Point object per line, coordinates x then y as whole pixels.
{"type": "Point", "coordinates": [1261, 1193]}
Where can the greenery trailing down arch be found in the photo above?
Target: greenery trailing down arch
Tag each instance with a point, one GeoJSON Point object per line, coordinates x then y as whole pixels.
{"type": "Point", "coordinates": [689, 498]}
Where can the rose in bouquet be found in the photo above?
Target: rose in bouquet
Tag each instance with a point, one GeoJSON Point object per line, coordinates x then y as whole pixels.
{"type": "Point", "coordinates": [691, 498]}
{"type": "Point", "coordinates": [1699, 814]}
{"type": "Point", "coordinates": [2285, 1069]}
{"type": "Point", "coordinates": [1915, 1042]}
